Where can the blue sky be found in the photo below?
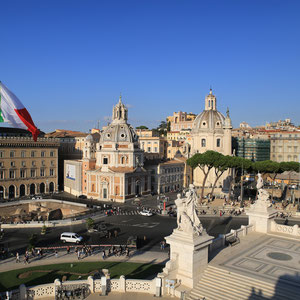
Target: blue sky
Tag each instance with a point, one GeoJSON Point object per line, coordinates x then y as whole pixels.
{"type": "Point", "coordinates": [69, 60]}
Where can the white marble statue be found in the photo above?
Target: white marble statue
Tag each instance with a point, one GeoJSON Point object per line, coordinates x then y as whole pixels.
{"type": "Point", "coordinates": [263, 195]}
{"type": "Point", "coordinates": [187, 219]}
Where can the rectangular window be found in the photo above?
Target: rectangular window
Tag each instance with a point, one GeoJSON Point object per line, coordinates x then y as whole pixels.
{"type": "Point", "coordinates": [52, 163]}
{"type": "Point", "coordinates": [32, 153]}
{"type": "Point", "coordinates": [155, 149]}
{"type": "Point", "coordinates": [11, 174]}
{"type": "Point", "coordinates": [43, 154]}
{"type": "Point", "coordinates": [105, 160]}
{"type": "Point", "coordinates": [1, 154]}
{"type": "Point", "coordinates": [32, 173]}
{"type": "Point", "coordinates": [23, 153]}
{"type": "Point", "coordinates": [218, 142]}
{"type": "Point", "coordinates": [51, 172]}
{"type": "Point", "coordinates": [42, 173]}
{"type": "Point", "coordinates": [12, 163]}
{"type": "Point", "coordinates": [149, 149]}
{"type": "Point", "coordinates": [1, 174]}
{"type": "Point", "coordinates": [12, 154]}
{"type": "Point", "coordinates": [51, 153]}
{"type": "Point", "coordinates": [23, 163]}
{"type": "Point", "coordinates": [43, 163]}
{"type": "Point", "coordinates": [33, 163]}
{"type": "Point", "coordinates": [22, 173]}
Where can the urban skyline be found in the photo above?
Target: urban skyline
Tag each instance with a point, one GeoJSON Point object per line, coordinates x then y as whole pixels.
{"type": "Point", "coordinates": [69, 61]}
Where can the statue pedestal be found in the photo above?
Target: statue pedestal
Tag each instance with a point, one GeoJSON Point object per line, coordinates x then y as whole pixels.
{"type": "Point", "coordinates": [188, 257]}
{"type": "Point", "coordinates": [261, 215]}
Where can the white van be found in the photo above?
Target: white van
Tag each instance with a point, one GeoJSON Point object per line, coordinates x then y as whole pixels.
{"type": "Point", "coordinates": [71, 237]}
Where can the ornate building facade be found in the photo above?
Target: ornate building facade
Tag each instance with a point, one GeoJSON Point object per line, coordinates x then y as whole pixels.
{"type": "Point", "coordinates": [113, 168]}
{"type": "Point", "coordinates": [211, 131]}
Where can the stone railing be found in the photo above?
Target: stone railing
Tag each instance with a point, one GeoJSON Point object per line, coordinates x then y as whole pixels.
{"type": "Point", "coordinates": [279, 228]}
{"type": "Point", "coordinates": [219, 242]}
{"type": "Point", "coordinates": [91, 285]}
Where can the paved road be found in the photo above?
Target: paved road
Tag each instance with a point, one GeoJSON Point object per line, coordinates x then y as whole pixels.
{"type": "Point", "coordinates": [155, 228]}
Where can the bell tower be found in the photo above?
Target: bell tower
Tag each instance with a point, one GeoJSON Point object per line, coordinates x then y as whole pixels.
{"type": "Point", "coordinates": [210, 101]}
{"type": "Point", "coordinates": [120, 113]}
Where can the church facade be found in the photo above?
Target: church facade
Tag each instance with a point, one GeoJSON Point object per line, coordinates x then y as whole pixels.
{"type": "Point", "coordinates": [211, 131]}
{"type": "Point", "coordinates": [112, 169]}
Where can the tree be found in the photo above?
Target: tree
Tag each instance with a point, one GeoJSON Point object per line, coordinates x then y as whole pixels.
{"type": "Point", "coordinates": [90, 223]}
{"type": "Point", "coordinates": [162, 128]}
{"type": "Point", "coordinates": [205, 161]}
{"type": "Point", "coordinates": [221, 164]}
{"type": "Point", "coordinates": [169, 126]}
{"type": "Point", "coordinates": [142, 127]}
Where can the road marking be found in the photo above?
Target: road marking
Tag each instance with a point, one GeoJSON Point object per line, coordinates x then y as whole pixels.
{"type": "Point", "coordinates": [146, 225]}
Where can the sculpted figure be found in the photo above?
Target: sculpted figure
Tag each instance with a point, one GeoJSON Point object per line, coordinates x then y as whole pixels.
{"type": "Point", "coordinates": [263, 195]}
{"type": "Point", "coordinates": [187, 219]}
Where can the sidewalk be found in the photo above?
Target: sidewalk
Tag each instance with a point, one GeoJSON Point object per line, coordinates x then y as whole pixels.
{"type": "Point", "coordinates": [151, 257]}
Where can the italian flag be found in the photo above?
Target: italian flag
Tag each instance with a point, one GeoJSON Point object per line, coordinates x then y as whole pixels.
{"type": "Point", "coordinates": [14, 112]}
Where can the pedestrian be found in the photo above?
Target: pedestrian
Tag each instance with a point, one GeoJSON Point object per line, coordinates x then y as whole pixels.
{"type": "Point", "coordinates": [78, 254]}
{"type": "Point", "coordinates": [56, 254]}
{"type": "Point", "coordinates": [116, 233]}
{"type": "Point", "coordinates": [17, 257]}
{"type": "Point", "coordinates": [103, 254]}
{"type": "Point", "coordinates": [68, 250]}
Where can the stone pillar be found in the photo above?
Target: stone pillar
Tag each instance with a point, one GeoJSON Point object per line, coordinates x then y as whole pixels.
{"type": "Point", "coordinates": [103, 286]}
{"type": "Point", "coordinates": [158, 284]}
{"type": "Point", "coordinates": [23, 292]}
{"type": "Point", "coordinates": [260, 216]}
{"type": "Point", "coordinates": [90, 281]}
{"type": "Point", "coordinates": [188, 256]}
{"type": "Point", "coordinates": [122, 286]}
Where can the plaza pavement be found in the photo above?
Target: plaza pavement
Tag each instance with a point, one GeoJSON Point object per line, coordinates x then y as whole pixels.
{"type": "Point", "coordinates": [152, 257]}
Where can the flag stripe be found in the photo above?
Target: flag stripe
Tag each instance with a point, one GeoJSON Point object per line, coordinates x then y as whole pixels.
{"type": "Point", "coordinates": [27, 120]}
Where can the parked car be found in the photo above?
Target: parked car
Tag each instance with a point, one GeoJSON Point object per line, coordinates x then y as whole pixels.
{"type": "Point", "coordinates": [82, 197]}
{"type": "Point", "coordinates": [146, 213]}
{"type": "Point", "coordinates": [36, 197]}
{"type": "Point", "coordinates": [70, 237]}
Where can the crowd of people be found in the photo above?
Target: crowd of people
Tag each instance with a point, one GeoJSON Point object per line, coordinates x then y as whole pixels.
{"type": "Point", "coordinates": [81, 252]}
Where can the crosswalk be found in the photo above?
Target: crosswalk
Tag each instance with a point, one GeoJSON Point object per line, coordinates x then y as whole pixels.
{"type": "Point", "coordinates": [127, 213]}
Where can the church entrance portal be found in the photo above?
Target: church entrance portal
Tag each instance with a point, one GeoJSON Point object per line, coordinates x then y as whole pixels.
{"type": "Point", "coordinates": [137, 188]}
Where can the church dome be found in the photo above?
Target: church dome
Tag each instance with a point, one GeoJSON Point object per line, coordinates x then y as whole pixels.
{"type": "Point", "coordinates": [210, 118]}
{"type": "Point", "coordinates": [118, 133]}
{"type": "Point", "coordinates": [119, 130]}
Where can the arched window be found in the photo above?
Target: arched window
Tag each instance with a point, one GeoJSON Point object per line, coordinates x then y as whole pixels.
{"type": "Point", "coordinates": [123, 160]}
{"type": "Point", "coordinates": [203, 143]}
{"type": "Point", "coordinates": [212, 103]}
